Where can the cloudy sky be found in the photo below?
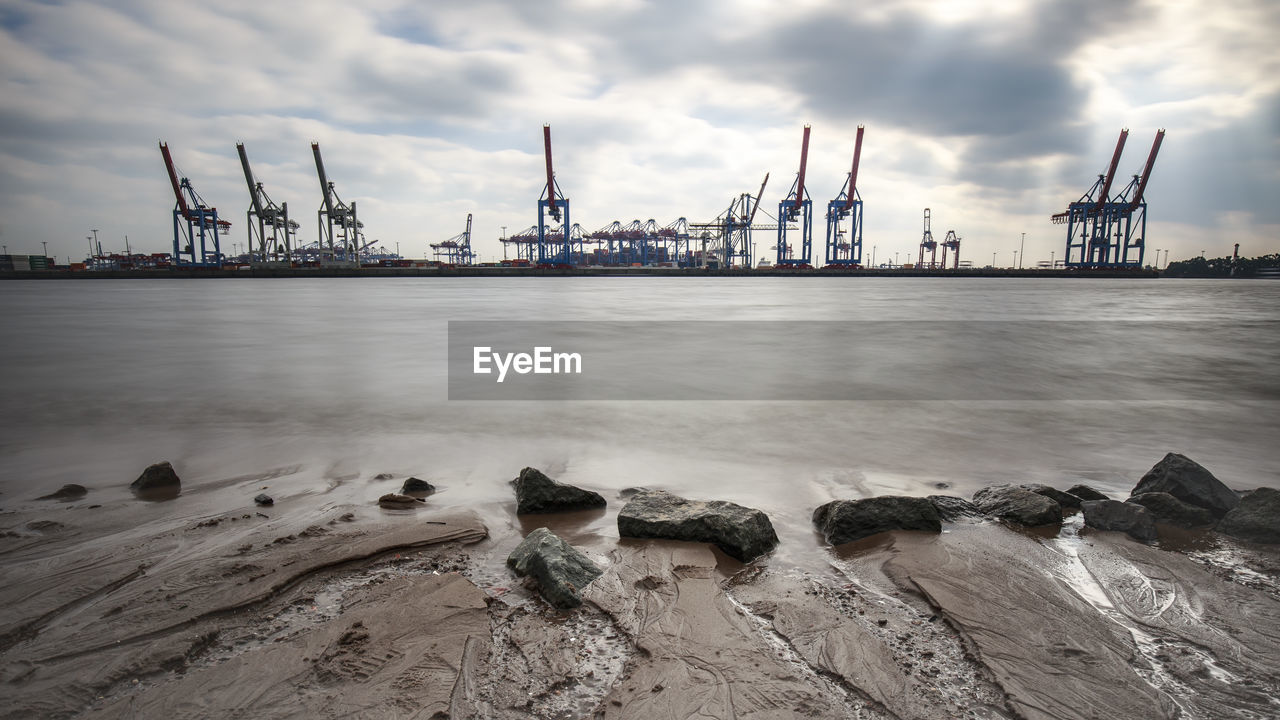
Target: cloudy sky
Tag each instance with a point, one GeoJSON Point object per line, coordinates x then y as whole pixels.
{"type": "Point", "coordinates": [993, 114]}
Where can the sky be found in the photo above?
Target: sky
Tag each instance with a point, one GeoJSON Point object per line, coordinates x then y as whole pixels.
{"type": "Point", "coordinates": [995, 115]}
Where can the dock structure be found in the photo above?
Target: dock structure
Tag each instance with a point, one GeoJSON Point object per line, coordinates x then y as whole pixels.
{"type": "Point", "coordinates": [271, 234]}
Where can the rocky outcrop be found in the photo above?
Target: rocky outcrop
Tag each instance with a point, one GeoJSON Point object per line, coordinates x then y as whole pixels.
{"type": "Point", "coordinates": [1064, 499]}
{"type": "Point", "coordinates": [1017, 504]}
{"type": "Point", "coordinates": [1256, 518]}
{"type": "Point", "coordinates": [1169, 509]}
{"type": "Point", "coordinates": [1190, 482]}
{"type": "Point", "coordinates": [416, 486]}
{"type": "Point", "coordinates": [560, 569]}
{"type": "Point", "coordinates": [742, 532]}
{"type": "Point", "coordinates": [66, 493]}
{"type": "Point", "coordinates": [157, 482]}
{"type": "Point", "coordinates": [1084, 492]}
{"type": "Point", "coordinates": [1125, 517]}
{"type": "Point", "coordinates": [951, 508]}
{"type": "Point", "coordinates": [537, 493]}
{"type": "Point", "coordinates": [842, 521]}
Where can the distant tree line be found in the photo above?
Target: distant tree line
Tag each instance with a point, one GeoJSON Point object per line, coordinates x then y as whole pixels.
{"type": "Point", "coordinates": [1220, 267]}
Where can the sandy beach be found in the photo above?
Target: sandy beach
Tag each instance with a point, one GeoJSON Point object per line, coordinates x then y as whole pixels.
{"type": "Point", "coordinates": [312, 607]}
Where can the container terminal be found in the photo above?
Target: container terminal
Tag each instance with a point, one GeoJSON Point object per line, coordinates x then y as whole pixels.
{"type": "Point", "coordinates": [1105, 236]}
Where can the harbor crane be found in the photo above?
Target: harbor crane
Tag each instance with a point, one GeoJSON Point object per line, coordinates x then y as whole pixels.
{"type": "Point", "coordinates": [193, 222]}
{"type": "Point", "coordinates": [339, 232]}
{"type": "Point", "coordinates": [951, 241]}
{"type": "Point", "coordinates": [844, 245]}
{"type": "Point", "coordinates": [1105, 230]}
{"type": "Point", "coordinates": [554, 244]}
{"type": "Point", "coordinates": [928, 243]}
{"type": "Point", "coordinates": [273, 232]}
{"type": "Point", "coordinates": [796, 205]}
{"type": "Point", "coordinates": [457, 249]}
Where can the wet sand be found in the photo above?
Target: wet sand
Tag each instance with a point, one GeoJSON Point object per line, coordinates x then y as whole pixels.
{"type": "Point", "coordinates": [321, 606]}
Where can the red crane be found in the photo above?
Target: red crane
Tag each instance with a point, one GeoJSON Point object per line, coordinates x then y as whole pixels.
{"type": "Point", "coordinates": [201, 222]}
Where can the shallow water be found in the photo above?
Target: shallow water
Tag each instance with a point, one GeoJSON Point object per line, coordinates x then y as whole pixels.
{"type": "Point", "coordinates": [332, 381]}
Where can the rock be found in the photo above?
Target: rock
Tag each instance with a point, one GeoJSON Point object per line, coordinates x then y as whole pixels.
{"type": "Point", "coordinates": [1256, 518]}
{"type": "Point", "coordinates": [1064, 499]}
{"type": "Point", "coordinates": [1017, 504]}
{"type": "Point", "coordinates": [561, 570]}
{"type": "Point", "coordinates": [158, 482]}
{"type": "Point", "coordinates": [1125, 517]}
{"type": "Point", "coordinates": [951, 508]}
{"type": "Point", "coordinates": [842, 521]}
{"type": "Point", "coordinates": [67, 492]}
{"type": "Point", "coordinates": [383, 476]}
{"type": "Point", "coordinates": [742, 532]}
{"type": "Point", "coordinates": [1190, 482]}
{"type": "Point", "coordinates": [416, 486]}
{"type": "Point", "coordinates": [396, 500]}
{"type": "Point", "coordinates": [537, 493]}
{"type": "Point", "coordinates": [264, 499]}
{"type": "Point", "coordinates": [1167, 508]}
{"type": "Point", "coordinates": [1084, 492]}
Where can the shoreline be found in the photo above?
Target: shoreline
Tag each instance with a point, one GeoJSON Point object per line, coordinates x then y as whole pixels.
{"type": "Point", "coordinates": [317, 606]}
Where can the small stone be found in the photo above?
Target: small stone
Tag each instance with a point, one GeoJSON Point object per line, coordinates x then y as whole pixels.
{"type": "Point", "coordinates": [398, 501]}
{"type": "Point", "coordinates": [264, 499]}
{"type": "Point", "coordinates": [67, 493]}
{"type": "Point", "coordinates": [416, 486]}
{"type": "Point", "coordinates": [157, 482]}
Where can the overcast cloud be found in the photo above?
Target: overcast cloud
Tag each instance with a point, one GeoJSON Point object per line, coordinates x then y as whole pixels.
{"type": "Point", "coordinates": [993, 114]}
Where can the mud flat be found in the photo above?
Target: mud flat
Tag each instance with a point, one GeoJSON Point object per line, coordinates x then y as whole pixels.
{"type": "Point", "coordinates": [333, 609]}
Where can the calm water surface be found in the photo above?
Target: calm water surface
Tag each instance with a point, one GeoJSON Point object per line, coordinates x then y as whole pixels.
{"type": "Point", "coordinates": [329, 382]}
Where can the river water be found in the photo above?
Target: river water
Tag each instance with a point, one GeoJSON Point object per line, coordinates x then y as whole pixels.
{"type": "Point", "coordinates": [313, 387]}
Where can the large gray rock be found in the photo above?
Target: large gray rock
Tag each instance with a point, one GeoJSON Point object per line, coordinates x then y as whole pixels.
{"type": "Point", "coordinates": [1066, 500]}
{"type": "Point", "coordinates": [1188, 481]}
{"type": "Point", "coordinates": [1169, 509]}
{"type": "Point", "coordinates": [742, 532]}
{"type": "Point", "coordinates": [1130, 518]}
{"type": "Point", "coordinates": [842, 521]}
{"type": "Point", "coordinates": [1084, 492]}
{"type": "Point", "coordinates": [1017, 504]}
{"type": "Point", "coordinates": [417, 486]}
{"type": "Point", "coordinates": [537, 493]}
{"type": "Point", "coordinates": [561, 570]}
{"type": "Point", "coordinates": [951, 508]}
{"type": "Point", "coordinates": [1256, 518]}
{"type": "Point", "coordinates": [157, 482]}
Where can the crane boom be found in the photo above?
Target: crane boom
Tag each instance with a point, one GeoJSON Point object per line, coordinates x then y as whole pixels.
{"type": "Point", "coordinates": [248, 178]}
{"type": "Point", "coordinates": [756, 204]}
{"type": "Point", "coordinates": [551, 179]}
{"type": "Point", "coordinates": [804, 161]}
{"type": "Point", "coordinates": [468, 234]}
{"type": "Point", "coordinates": [324, 179]}
{"type": "Point", "coordinates": [173, 178]}
{"type": "Point", "coordinates": [1111, 170]}
{"type": "Point", "coordinates": [1146, 170]}
{"type": "Point", "coordinates": [853, 174]}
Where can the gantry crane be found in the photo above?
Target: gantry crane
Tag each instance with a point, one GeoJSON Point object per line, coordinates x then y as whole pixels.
{"type": "Point", "coordinates": [339, 232]}
{"type": "Point", "coordinates": [274, 230]}
{"type": "Point", "coordinates": [951, 241]}
{"type": "Point", "coordinates": [844, 246]}
{"type": "Point", "coordinates": [796, 205]}
{"type": "Point", "coordinates": [928, 243]}
{"type": "Point", "coordinates": [1100, 227]}
{"type": "Point", "coordinates": [554, 244]}
{"type": "Point", "coordinates": [457, 249]}
{"type": "Point", "coordinates": [201, 222]}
